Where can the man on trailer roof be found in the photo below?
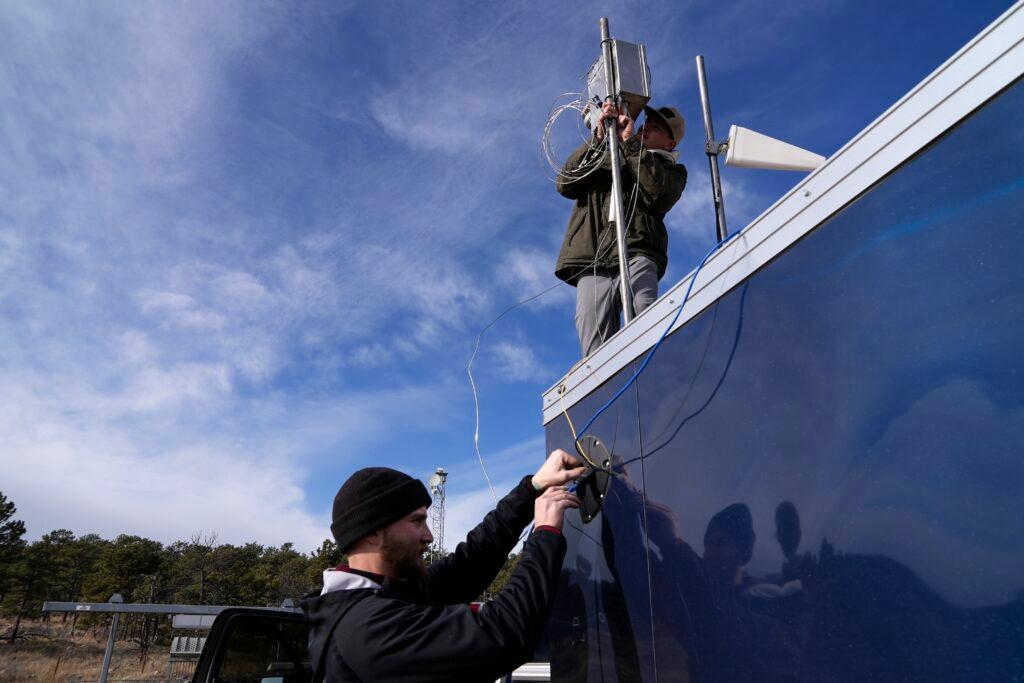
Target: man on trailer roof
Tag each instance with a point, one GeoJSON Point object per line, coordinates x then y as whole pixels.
{"type": "Point", "coordinates": [653, 181]}
{"type": "Point", "coordinates": [385, 616]}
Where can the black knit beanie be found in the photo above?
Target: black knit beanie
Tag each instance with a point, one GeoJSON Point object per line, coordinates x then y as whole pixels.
{"type": "Point", "coordinates": [371, 499]}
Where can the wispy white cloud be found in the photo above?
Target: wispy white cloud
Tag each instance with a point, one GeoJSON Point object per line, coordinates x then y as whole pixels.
{"type": "Point", "coordinates": [93, 475]}
{"type": "Point", "coordinates": [518, 362]}
{"type": "Point", "coordinates": [172, 452]}
{"type": "Point", "coordinates": [148, 328]}
{"type": "Point", "coordinates": [530, 272]}
{"type": "Point", "coordinates": [369, 355]}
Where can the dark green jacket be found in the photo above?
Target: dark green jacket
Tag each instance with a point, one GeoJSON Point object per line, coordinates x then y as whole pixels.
{"type": "Point", "coordinates": [589, 233]}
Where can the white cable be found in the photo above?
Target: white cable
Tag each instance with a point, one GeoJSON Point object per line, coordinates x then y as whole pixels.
{"type": "Point", "coordinates": [472, 382]}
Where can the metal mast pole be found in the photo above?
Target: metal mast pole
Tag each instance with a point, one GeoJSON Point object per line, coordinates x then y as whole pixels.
{"type": "Point", "coordinates": [612, 132]}
{"type": "Point", "coordinates": [710, 148]}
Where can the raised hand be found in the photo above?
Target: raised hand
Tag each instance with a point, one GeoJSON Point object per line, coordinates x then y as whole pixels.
{"type": "Point", "coordinates": [558, 469]}
{"type": "Point", "coordinates": [608, 111]}
{"type": "Point", "coordinates": [549, 509]}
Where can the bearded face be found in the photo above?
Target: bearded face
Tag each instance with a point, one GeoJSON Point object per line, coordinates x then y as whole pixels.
{"type": "Point", "coordinates": [404, 555]}
{"type": "Point", "coordinates": [404, 543]}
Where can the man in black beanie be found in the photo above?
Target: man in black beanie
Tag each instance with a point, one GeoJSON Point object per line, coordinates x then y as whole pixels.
{"type": "Point", "coordinates": [385, 616]}
{"type": "Point", "coordinates": [729, 543]}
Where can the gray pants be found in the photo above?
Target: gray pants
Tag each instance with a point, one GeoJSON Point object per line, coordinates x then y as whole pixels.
{"type": "Point", "coordinates": [598, 304]}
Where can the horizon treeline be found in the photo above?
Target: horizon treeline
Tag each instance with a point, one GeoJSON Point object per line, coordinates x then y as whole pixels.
{"type": "Point", "coordinates": [61, 566]}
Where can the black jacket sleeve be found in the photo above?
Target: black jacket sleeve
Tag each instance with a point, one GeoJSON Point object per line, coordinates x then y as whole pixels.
{"type": "Point", "coordinates": [462, 576]}
{"type": "Point", "coordinates": [384, 639]}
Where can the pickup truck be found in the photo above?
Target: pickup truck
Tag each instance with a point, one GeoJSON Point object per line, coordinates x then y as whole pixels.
{"type": "Point", "coordinates": [247, 645]}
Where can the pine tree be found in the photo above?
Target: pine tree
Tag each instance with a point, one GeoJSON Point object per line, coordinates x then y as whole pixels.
{"type": "Point", "coordinates": [32, 577]}
{"type": "Point", "coordinates": [11, 544]}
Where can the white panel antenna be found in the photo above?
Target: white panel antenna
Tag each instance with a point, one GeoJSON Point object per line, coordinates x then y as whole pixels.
{"type": "Point", "coordinates": [750, 149]}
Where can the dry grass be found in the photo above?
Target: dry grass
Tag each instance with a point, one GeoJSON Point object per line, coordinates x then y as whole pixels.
{"type": "Point", "coordinates": [63, 658]}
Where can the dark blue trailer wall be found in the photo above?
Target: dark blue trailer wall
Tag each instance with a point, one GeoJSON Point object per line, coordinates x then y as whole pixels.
{"type": "Point", "coordinates": [821, 477]}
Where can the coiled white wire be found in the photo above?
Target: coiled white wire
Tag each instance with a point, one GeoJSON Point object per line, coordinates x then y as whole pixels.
{"type": "Point", "coordinates": [589, 164]}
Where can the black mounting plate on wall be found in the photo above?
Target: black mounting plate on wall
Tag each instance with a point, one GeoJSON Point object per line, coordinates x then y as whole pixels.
{"type": "Point", "coordinates": [592, 486]}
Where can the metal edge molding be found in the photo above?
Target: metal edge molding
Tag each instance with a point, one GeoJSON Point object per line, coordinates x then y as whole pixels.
{"type": "Point", "coordinates": [979, 70]}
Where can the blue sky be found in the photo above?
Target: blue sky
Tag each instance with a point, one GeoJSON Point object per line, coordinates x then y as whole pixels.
{"type": "Point", "coordinates": [246, 248]}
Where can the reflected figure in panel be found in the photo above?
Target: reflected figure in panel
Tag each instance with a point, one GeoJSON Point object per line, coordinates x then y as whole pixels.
{"type": "Point", "coordinates": [729, 544]}
{"type": "Point", "coordinates": [704, 628]}
{"type": "Point", "coordinates": [797, 570]}
{"type": "Point", "coordinates": [787, 529]}
{"type": "Point", "coordinates": [729, 547]}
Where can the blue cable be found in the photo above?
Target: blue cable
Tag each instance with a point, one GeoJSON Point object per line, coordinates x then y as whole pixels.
{"type": "Point", "coordinates": [664, 334]}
